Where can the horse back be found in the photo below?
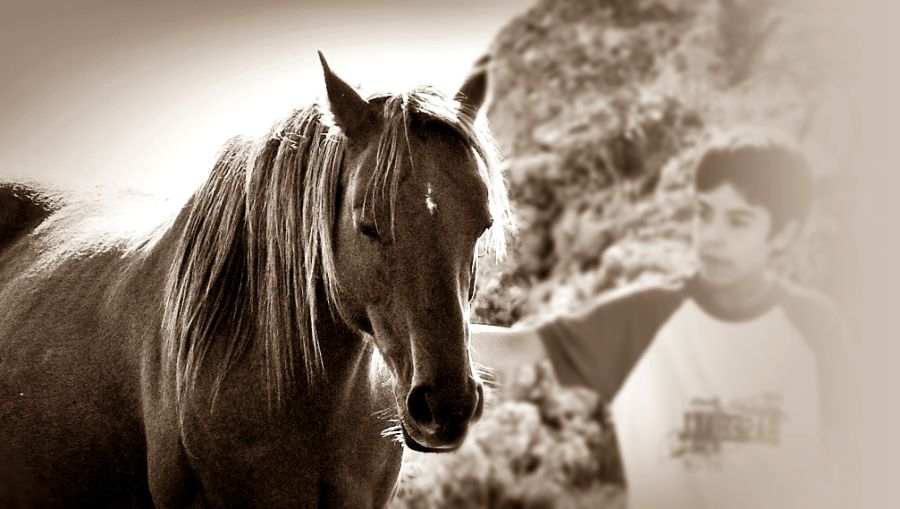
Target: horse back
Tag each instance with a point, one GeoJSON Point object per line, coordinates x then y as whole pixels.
{"type": "Point", "coordinates": [74, 315]}
{"type": "Point", "coordinates": [22, 208]}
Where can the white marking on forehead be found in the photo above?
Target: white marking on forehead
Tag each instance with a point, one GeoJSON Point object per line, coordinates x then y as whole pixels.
{"type": "Point", "coordinates": [429, 201]}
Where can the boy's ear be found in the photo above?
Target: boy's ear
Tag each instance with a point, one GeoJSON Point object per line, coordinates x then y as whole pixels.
{"type": "Point", "coordinates": [783, 237]}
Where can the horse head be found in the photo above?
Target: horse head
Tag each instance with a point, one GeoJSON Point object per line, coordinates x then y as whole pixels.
{"type": "Point", "coordinates": [418, 191]}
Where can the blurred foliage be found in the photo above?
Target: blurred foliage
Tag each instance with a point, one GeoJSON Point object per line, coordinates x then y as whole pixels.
{"type": "Point", "coordinates": [599, 109]}
{"type": "Point", "coordinates": [543, 446]}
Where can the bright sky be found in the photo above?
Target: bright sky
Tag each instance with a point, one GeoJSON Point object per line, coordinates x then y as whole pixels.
{"type": "Point", "coordinates": [142, 94]}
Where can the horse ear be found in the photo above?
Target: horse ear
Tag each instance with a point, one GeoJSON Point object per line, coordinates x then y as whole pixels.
{"type": "Point", "coordinates": [473, 91]}
{"type": "Point", "coordinates": [353, 114]}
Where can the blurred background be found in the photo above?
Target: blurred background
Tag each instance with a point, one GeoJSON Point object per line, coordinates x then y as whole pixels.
{"type": "Point", "coordinates": [142, 94]}
{"type": "Point", "coordinates": [598, 108]}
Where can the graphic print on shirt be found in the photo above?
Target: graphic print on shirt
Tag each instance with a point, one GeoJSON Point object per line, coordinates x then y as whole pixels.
{"type": "Point", "coordinates": [711, 428]}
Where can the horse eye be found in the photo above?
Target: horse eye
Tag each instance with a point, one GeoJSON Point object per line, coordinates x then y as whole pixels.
{"type": "Point", "coordinates": [370, 231]}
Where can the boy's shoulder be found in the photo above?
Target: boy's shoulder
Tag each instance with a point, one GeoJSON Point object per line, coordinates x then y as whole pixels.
{"type": "Point", "coordinates": [812, 313]}
{"type": "Point", "coordinates": [818, 320]}
{"type": "Point", "coordinates": [654, 297]}
{"type": "Point", "coordinates": [807, 308]}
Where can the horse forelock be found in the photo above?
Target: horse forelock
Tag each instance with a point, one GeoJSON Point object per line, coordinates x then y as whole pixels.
{"type": "Point", "coordinates": [425, 103]}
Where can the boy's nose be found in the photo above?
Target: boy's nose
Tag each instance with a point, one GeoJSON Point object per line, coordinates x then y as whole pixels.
{"type": "Point", "coordinates": [708, 238]}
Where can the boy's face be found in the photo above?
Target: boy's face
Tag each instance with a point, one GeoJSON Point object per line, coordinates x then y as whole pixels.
{"type": "Point", "coordinates": [732, 236]}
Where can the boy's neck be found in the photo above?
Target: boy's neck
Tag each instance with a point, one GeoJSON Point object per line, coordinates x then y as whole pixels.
{"type": "Point", "coordinates": [745, 295]}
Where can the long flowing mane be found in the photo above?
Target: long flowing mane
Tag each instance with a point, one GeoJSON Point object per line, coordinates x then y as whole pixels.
{"type": "Point", "coordinates": [257, 244]}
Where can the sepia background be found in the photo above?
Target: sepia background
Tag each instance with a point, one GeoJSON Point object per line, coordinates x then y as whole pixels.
{"type": "Point", "coordinates": [598, 107]}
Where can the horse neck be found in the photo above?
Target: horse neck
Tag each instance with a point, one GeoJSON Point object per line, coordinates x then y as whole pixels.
{"type": "Point", "coordinates": [345, 353]}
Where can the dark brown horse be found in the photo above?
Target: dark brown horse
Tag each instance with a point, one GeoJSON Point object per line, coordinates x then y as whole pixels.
{"type": "Point", "coordinates": [274, 342]}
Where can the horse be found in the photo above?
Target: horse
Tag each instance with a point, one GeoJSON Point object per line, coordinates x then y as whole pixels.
{"type": "Point", "coordinates": [278, 339]}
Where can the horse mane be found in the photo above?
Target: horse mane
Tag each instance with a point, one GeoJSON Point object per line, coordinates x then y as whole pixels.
{"type": "Point", "coordinates": [257, 242]}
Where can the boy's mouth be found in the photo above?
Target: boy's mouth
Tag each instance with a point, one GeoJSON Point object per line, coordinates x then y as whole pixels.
{"type": "Point", "coordinates": [714, 262]}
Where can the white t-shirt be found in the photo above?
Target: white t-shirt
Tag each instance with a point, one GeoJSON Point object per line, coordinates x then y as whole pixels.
{"type": "Point", "coordinates": [713, 408]}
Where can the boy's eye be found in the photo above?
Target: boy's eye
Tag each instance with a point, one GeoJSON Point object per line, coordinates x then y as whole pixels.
{"type": "Point", "coordinates": [739, 223]}
{"type": "Point", "coordinates": [704, 214]}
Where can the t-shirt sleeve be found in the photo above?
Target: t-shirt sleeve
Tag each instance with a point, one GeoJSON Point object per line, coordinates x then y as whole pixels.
{"type": "Point", "coordinates": [839, 387]}
{"type": "Point", "coordinates": [598, 346]}
{"type": "Point", "coordinates": [821, 325]}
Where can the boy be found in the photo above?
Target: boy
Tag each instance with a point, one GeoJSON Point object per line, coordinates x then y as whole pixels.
{"type": "Point", "coordinates": [730, 388]}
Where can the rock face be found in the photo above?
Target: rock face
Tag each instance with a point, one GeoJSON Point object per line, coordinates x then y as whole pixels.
{"type": "Point", "coordinates": [599, 107]}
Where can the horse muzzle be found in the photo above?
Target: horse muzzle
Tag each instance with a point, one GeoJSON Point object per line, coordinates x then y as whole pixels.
{"type": "Point", "coordinates": [438, 418]}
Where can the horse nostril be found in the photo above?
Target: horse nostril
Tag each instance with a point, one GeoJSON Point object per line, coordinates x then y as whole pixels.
{"type": "Point", "coordinates": [418, 405]}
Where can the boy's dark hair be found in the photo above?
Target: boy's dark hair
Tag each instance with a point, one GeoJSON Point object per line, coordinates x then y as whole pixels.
{"type": "Point", "coordinates": [765, 168]}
